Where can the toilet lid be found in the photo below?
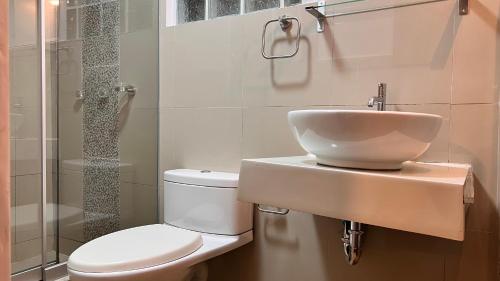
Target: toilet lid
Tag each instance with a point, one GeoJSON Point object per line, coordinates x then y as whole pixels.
{"type": "Point", "coordinates": [135, 248]}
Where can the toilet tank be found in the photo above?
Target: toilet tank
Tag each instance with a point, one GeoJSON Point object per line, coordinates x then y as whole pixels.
{"type": "Point", "coordinates": [205, 201]}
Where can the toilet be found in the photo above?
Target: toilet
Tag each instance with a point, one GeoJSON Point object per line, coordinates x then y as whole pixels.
{"type": "Point", "coordinates": [202, 219]}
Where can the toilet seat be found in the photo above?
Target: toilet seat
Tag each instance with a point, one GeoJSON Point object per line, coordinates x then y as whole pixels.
{"type": "Point", "coordinates": [135, 248]}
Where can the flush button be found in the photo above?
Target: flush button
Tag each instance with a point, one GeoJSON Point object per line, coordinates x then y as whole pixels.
{"type": "Point", "coordinates": [205, 171]}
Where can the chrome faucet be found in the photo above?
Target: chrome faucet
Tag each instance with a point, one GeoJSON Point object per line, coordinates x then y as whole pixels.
{"type": "Point", "coordinates": [380, 98]}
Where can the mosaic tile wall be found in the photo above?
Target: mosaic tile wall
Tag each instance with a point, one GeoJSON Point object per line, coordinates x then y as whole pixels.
{"type": "Point", "coordinates": [100, 31]}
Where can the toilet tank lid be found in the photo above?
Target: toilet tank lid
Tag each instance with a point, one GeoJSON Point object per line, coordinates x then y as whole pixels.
{"type": "Point", "coordinates": [202, 178]}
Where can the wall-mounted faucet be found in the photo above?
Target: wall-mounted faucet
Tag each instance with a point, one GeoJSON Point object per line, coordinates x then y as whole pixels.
{"type": "Point", "coordinates": [380, 98]}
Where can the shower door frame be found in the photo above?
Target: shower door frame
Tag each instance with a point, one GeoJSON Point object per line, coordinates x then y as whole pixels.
{"type": "Point", "coordinates": [47, 271]}
{"type": "Point", "coordinates": [51, 273]}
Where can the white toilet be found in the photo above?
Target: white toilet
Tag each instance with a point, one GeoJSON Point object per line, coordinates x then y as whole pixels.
{"type": "Point", "coordinates": [203, 219]}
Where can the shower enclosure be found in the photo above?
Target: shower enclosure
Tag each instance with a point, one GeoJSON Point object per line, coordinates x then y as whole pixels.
{"type": "Point", "coordinates": [84, 98]}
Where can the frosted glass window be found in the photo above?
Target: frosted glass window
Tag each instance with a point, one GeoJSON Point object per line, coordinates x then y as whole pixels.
{"type": "Point", "coordinates": [292, 2]}
{"type": "Point", "coordinates": [190, 10]}
{"type": "Point", "coordinates": [219, 8]}
{"type": "Point", "coordinates": [255, 5]}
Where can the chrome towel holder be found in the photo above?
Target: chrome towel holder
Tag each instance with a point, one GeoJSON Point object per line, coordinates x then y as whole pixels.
{"type": "Point", "coordinates": [272, 210]}
{"type": "Point", "coordinates": [285, 23]}
{"type": "Point", "coordinates": [319, 11]}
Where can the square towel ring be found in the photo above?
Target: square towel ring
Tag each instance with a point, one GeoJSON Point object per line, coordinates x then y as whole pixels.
{"type": "Point", "coordinates": [285, 23]}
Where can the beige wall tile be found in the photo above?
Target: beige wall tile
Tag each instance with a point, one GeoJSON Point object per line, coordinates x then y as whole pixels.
{"type": "Point", "coordinates": [28, 122]}
{"type": "Point", "coordinates": [266, 133]}
{"type": "Point", "coordinates": [71, 227]}
{"type": "Point", "coordinates": [320, 43]}
{"type": "Point", "coordinates": [69, 73]}
{"type": "Point", "coordinates": [23, 31]}
{"type": "Point", "coordinates": [139, 15]}
{"type": "Point", "coordinates": [52, 154]}
{"type": "Point", "coordinates": [391, 37]}
{"type": "Point", "coordinates": [205, 138]}
{"type": "Point", "coordinates": [202, 139]}
{"type": "Point", "coordinates": [161, 202]}
{"type": "Point", "coordinates": [13, 123]}
{"type": "Point", "coordinates": [71, 196]}
{"type": "Point", "coordinates": [66, 247]}
{"type": "Point", "coordinates": [394, 255]}
{"type": "Point", "coordinates": [416, 70]}
{"type": "Point", "coordinates": [28, 204]}
{"type": "Point", "coordinates": [70, 134]}
{"type": "Point", "coordinates": [475, 54]}
{"type": "Point", "coordinates": [166, 143]}
{"type": "Point", "coordinates": [407, 85]}
{"type": "Point", "coordinates": [302, 80]}
{"type": "Point", "coordinates": [139, 66]}
{"type": "Point", "coordinates": [166, 153]}
{"type": "Point", "coordinates": [51, 205]}
{"type": "Point", "coordinates": [345, 79]}
{"type": "Point", "coordinates": [139, 149]}
{"type": "Point", "coordinates": [473, 135]}
{"type": "Point", "coordinates": [28, 156]}
{"type": "Point", "coordinates": [71, 188]}
{"type": "Point", "coordinates": [167, 65]}
{"type": "Point", "coordinates": [474, 259]}
{"type": "Point", "coordinates": [216, 69]}
{"type": "Point", "coordinates": [12, 214]}
{"type": "Point", "coordinates": [28, 253]}
{"type": "Point", "coordinates": [439, 150]}
{"type": "Point", "coordinates": [12, 157]}
{"type": "Point", "coordinates": [305, 247]}
{"type": "Point", "coordinates": [145, 204]}
{"type": "Point", "coordinates": [293, 247]}
{"type": "Point", "coordinates": [127, 209]}
{"type": "Point", "coordinates": [255, 71]}
{"type": "Point", "coordinates": [25, 77]}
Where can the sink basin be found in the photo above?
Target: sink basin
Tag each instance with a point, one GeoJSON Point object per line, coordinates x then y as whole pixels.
{"type": "Point", "coordinates": [364, 139]}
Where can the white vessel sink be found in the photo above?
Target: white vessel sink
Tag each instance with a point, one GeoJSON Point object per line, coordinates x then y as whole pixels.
{"type": "Point", "coordinates": [378, 140]}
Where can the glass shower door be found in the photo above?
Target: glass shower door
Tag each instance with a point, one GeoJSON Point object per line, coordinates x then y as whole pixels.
{"type": "Point", "coordinates": [84, 115]}
{"type": "Point", "coordinates": [26, 135]}
{"type": "Point", "coordinates": [107, 112]}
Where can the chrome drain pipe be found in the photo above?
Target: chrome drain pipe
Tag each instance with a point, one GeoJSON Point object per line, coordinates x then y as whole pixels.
{"type": "Point", "coordinates": [352, 241]}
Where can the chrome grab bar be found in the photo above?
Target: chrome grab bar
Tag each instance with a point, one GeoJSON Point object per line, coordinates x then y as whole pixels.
{"type": "Point", "coordinates": [79, 95]}
{"type": "Point", "coordinates": [124, 88]}
{"type": "Point", "coordinates": [278, 211]}
{"type": "Point", "coordinates": [121, 89]}
{"type": "Point", "coordinates": [286, 24]}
